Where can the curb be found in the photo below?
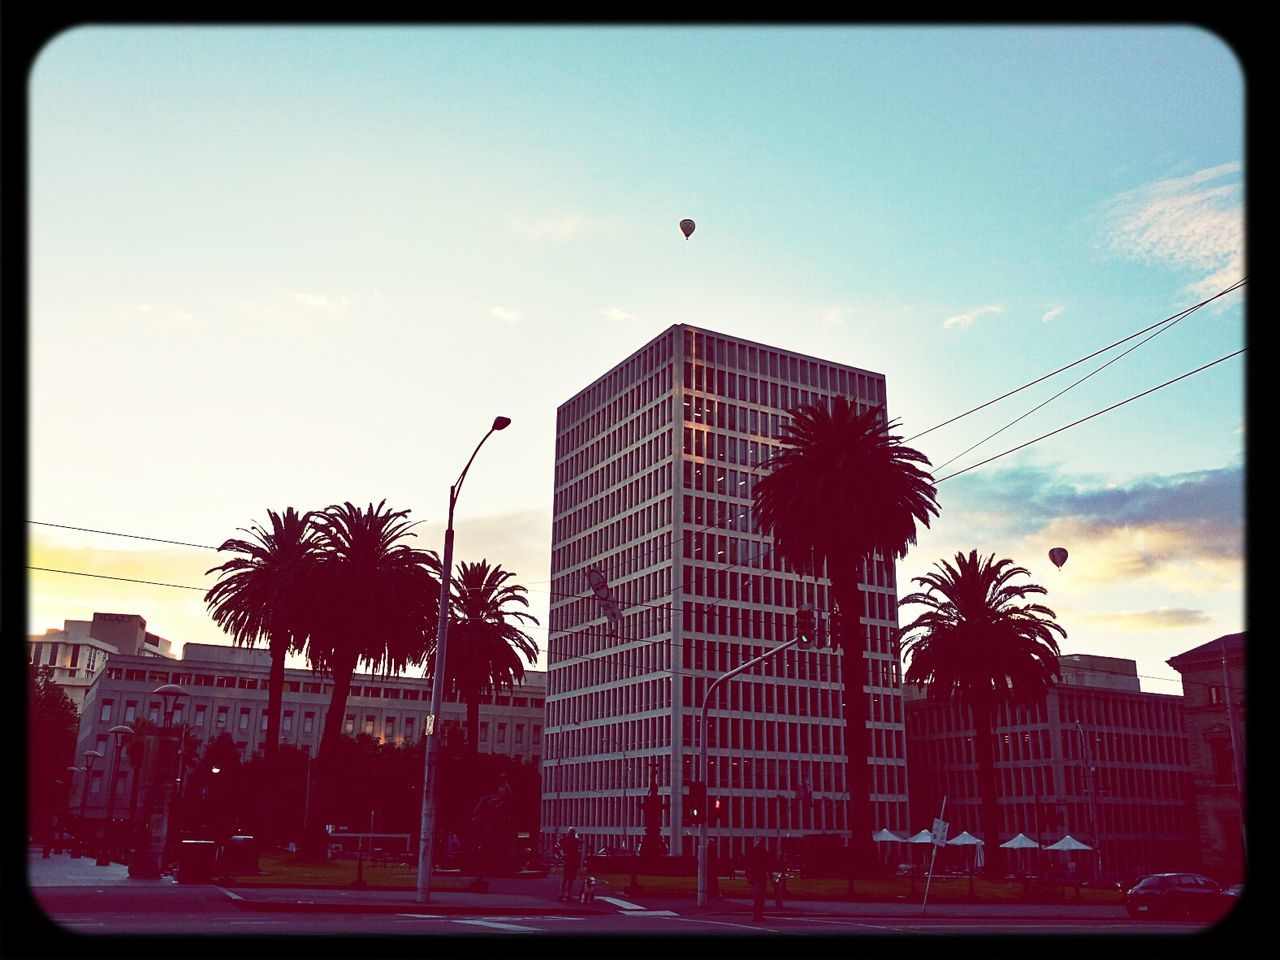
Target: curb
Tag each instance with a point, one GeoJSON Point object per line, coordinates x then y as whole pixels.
{"type": "Point", "coordinates": [384, 906]}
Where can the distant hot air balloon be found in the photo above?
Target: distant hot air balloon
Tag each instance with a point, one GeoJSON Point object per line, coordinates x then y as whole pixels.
{"type": "Point", "coordinates": [1059, 556]}
{"type": "Point", "coordinates": [686, 227]}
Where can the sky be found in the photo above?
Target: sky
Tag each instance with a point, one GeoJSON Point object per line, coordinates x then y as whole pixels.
{"type": "Point", "coordinates": [298, 265]}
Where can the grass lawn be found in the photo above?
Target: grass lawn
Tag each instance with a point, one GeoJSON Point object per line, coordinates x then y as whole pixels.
{"type": "Point", "coordinates": [284, 869]}
{"type": "Point", "coordinates": [892, 888]}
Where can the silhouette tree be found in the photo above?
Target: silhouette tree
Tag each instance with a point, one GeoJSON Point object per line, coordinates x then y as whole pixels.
{"type": "Point", "coordinates": [259, 594]}
{"type": "Point", "coordinates": [485, 641]}
{"type": "Point", "coordinates": [977, 645]}
{"type": "Point", "coordinates": [842, 489]}
{"type": "Point", "coordinates": [372, 600]}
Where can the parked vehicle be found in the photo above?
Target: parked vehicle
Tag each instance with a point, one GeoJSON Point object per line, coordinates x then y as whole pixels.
{"type": "Point", "coordinates": [1179, 895]}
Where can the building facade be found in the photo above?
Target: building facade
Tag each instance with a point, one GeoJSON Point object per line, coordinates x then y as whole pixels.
{"type": "Point", "coordinates": [78, 652]}
{"type": "Point", "coordinates": [1213, 685]}
{"type": "Point", "coordinates": [227, 692]}
{"type": "Point", "coordinates": [1099, 759]}
{"type": "Point", "coordinates": [661, 583]}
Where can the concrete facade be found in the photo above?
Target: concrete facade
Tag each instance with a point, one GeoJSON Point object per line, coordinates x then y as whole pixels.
{"type": "Point", "coordinates": [227, 689]}
{"type": "Point", "coordinates": [78, 652]}
{"type": "Point", "coordinates": [1213, 683]}
{"type": "Point", "coordinates": [655, 465]}
{"type": "Point", "coordinates": [1099, 760]}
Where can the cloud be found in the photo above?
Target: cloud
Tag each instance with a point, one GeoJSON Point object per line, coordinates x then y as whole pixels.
{"type": "Point", "coordinates": [503, 313]}
{"type": "Point", "coordinates": [835, 317]}
{"type": "Point", "coordinates": [616, 314]}
{"type": "Point", "coordinates": [966, 319]}
{"type": "Point", "coordinates": [1145, 621]}
{"type": "Point", "coordinates": [1194, 222]}
{"type": "Point", "coordinates": [557, 229]}
{"type": "Point", "coordinates": [1053, 314]}
{"type": "Point", "coordinates": [1185, 531]}
{"type": "Point", "coordinates": [321, 301]}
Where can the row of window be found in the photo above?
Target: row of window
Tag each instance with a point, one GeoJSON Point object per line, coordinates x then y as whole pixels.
{"type": "Point", "coordinates": [638, 380]}
{"type": "Point", "coordinates": [600, 467]}
{"type": "Point", "coordinates": [722, 353]}
{"type": "Point", "coordinates": [624, 532]}
{"type": "Point", "coordinates": [51, 653]}
{"type": "Point", "coordinates": [570, 520]}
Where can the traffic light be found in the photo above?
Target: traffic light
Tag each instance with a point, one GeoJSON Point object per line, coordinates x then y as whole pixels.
{"type": "Point", "coordinates": [696, 808]}
{"type": "Point", "coordinates": [835, 627]}
{"type": "Point", "coordinates": [806, 627]}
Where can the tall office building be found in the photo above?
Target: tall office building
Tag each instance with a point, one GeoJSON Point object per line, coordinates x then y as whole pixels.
{"type": "Point", "coordinates": [661, 583]}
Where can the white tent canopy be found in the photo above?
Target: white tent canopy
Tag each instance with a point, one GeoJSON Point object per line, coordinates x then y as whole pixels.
{"type": "Point", "coordinates": [924, 836]}
{"type": "Point", "coordinates": [1020, 842]}
{"type": "Point", "coordinates": [964, 839]}
{"type": "Point", "coordinates": [886, 835]}
{"type": "Point", "coordinates": [1068, 843]}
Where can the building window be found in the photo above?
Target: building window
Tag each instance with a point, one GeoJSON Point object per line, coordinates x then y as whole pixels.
{"type": "Point", "coordinates": [502, 734]}
{"type": "Point", "coordinates": [389, 730]}
{"type": "Point", "coordinates": [52, 659]}
{"type": "Point", "coordinates": [309, 722]}
{"type": "Point", "coordinates": [1215, 694]}
{"type": "Point", "coordinates": [244, 718]}
{"type": "Point", "coordinates": [91, 661]}
{"type": "Point", "coordinates": [104, 716]}
{"type": "Point", "coordinates": [262, 726]}
{"type": "Point", "coordinates": [519, 734]}
{"type": "Point", "coordinates": [222, 717]}
{"type": "Point", "coordinates": [1220, 755]}
{"type": "Point", "coordinates": [484, 732]}
{"type": "Point", "coordinates": [95, 783]}
{"type": "Point", "coordinates": [153, 713]}
{"type": "Point", "coordinates": [199, 721]}
{"type": "Point", "coordinates": [408, 728]}
{"type": "Point", "coordinates": [349, 724]}
{"type": "Point", "coordinates": [130, 711]}
{"type": "Point", "coordinates": [368, 725]}
{"type": "Point", "coordinates": [287, 723]}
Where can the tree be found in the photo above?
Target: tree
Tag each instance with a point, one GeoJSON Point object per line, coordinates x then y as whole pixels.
{"type": "Point", "coordinates": [485, 642]}
{"type": "Point", "coordinates": [978, 645]}
{"type": "Point", "coordinates": [258, 597]}
{"type": "Point", "coordinates": [52, 726]}
{"type": "Point", "coordinates": [842, 489]}
{"type": "Point", "coordinates": [371, 599]}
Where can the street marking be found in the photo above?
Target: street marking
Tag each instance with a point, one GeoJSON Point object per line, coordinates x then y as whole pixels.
{"type": "Point", "coordinates": [641, 912]}
{"type": "Point", "coordinates": [624, 904]}
{"type": "Point", "coordinates": [230, 893]}
{"type": "Point", "coordinates": [513, 927]}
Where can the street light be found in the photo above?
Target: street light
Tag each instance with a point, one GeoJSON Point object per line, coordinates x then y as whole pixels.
{"type": "Point", "coordinates": [431, 768]}
{"type": "Point", "coordinates": [90, 758]}
{"type": "Point", "coordinates": [148, 861]}
{"type": "Point", "coordinates": [118, 732]}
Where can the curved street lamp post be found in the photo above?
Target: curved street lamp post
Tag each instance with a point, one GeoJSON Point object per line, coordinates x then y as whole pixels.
{"type": "Point", "coordinates": [118, 733]}
{"type": "Point", "coordinates": [90, 758]}
{"type": "Point", "coordinates": [431, 768]}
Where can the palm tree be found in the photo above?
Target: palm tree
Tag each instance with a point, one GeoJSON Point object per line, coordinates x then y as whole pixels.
{"type": "Point", "coordinates": [372, 600]}
{"type": "Point", "coordinates": [259, 594]}
{"type": "Point", "coordinates": [978, 645]}
{"type": "Point", "coordinates": [842, 489]}
{"type": "Point", "coordinates": [485, 642]}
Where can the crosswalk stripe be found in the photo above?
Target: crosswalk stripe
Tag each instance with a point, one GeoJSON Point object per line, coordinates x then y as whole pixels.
{"type": "Point", "coordinates": [624, 904]}
{"type": "Point", "coordinates": [515, 927]}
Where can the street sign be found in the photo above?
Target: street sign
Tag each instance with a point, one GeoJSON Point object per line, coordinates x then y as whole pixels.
{"type": "Point", "coordinates": [430, 726]}
{"type": "Point", "coordinates": [939, 832]}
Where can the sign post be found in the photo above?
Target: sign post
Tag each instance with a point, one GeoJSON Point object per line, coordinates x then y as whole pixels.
{"type": "Point", "coordinates": [939, 837]}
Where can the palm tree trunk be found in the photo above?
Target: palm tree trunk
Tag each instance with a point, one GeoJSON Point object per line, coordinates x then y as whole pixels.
{"type": "Point", "coordinates": [853, 673]}
{"type": "Point", "coordinates": [989, 790]}
{"type": "Point", "coordinates": [315, 842]}
{"type": "Point", "coordinates": [275, 697]}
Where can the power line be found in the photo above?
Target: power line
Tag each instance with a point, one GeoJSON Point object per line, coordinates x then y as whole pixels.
{"type": "Point", "coordinates": [1003, 396]}
{"type": "Point", "coordinates": [1092, 415]}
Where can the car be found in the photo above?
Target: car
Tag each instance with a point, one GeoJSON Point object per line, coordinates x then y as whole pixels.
{"type": "Point", "coordinates": [1178, 895]}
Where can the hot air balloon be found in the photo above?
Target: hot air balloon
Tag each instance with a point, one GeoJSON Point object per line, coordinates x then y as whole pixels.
{"type": "Point", "coordinates": [1059, 556]}
{"type": "Point", "coordinates": [686, 227]}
